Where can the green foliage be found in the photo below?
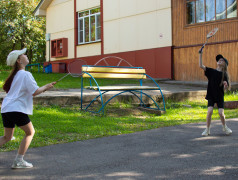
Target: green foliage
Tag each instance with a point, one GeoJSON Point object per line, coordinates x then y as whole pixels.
{"type": "Point", "coordinates": [19, 28]}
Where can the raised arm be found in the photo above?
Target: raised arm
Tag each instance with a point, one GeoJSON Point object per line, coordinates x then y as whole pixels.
{"type": "Point", "coordinates": [200, 62]}
{"type": "Point", "coordinates": [44, 88]}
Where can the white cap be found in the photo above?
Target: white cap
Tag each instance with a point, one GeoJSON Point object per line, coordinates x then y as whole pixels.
{"type": "Point", "coordinates": [12, 56]}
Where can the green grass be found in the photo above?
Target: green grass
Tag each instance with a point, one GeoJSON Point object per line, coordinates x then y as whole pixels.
{"type": "Point", "coordinates": [231, 96]}
{"type": "Point", "coordinates": [67, 82]}
{"type": "Point", "coordinates": [56, 125]}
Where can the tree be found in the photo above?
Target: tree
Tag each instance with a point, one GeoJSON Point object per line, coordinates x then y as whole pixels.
{"type": "Point", "coordinates": [19, 28]}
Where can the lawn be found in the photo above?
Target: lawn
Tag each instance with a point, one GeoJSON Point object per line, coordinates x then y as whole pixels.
{"type": "Point", "coordinates": [54, 124]}
{"type": "Point", "coordinates": [67, 82]}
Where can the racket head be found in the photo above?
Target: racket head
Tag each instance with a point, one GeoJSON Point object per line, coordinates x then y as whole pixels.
{"type": "Point", "coordinates": [212, 33]}
{"type": "Point", "coordinates": [75, 67]}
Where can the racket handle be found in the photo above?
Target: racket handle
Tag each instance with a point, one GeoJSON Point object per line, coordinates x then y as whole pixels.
{"type": "Point", "coordinates": [200, 51]}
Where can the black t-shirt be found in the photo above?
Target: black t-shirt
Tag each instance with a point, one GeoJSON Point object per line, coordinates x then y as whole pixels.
{"type": "Point", "coordinates": [215, 92]}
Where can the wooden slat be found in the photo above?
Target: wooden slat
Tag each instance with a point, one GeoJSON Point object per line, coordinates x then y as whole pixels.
{"type": "Point", "coordinates": [184, 34]}
{"type": "Point", "coordinates": [113, 70]}
{"type": "Point", "coordinates": [186, 60]}
{"type": "Point", "coordinates": [118, 88]}
{"type": "Point", "coordinates": [114, 75]}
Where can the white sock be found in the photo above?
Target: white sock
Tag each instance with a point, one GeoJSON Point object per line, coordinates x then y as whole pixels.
{"type": "Point", "coordinates": [19, 157]}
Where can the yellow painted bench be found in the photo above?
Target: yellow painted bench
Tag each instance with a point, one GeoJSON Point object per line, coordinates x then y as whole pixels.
{"type": "Point", "coordinates": [117, 72]}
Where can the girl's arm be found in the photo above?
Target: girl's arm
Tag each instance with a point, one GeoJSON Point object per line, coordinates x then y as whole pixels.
{"type": "Point", "coordinates": [225, 85]}
{"type": "Point", "coordinates": [226, 82]}
{"type": "Point", "coordinates": [200, 62]}
{"type": "Point", "coordinates": [44, 88]}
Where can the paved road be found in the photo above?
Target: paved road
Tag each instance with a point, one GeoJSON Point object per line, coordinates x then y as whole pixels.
{"type": "Point", "coordinates": [174, 153]}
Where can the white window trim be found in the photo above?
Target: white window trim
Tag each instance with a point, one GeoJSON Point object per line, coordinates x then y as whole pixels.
{"type": "Point", "coordinates": [97, 39]}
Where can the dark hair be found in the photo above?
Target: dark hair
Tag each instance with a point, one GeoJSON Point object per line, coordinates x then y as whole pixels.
{"type": "Point", "coordinates": [7, 84]}
{"type": "Point", "coordinates": [225, 73]}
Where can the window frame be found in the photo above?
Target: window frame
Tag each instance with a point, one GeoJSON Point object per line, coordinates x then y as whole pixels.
{"type": "Point", "coordinates": [207, 22]}
{"type": "Point", "coordinates": [89, 15]}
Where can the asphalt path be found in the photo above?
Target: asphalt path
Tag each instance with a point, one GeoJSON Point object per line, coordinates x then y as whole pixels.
{"type": "Point", "coordinates": [174, 153]}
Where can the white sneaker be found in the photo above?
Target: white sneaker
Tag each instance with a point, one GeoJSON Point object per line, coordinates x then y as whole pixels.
{"type": "Point", "coordinates": [206, 132]}
{"type": "Point", "coordinates": [227, 130]}
{"type": "Point", "coordinates": [21, 164]}
{"type": "Point", "coordinates": [13, 138]}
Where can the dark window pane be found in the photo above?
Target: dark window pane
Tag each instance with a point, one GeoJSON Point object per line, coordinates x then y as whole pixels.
{"type": "Point", "coordinates": [210, 10]}
{"type": "Point", "coordinates": [81, 24]}
{"type": "Point", "coordinates": [200, 12]}
{"type": "Point", "coordinates": [231, 8]}
{"type": "Point", "coordinates": [81, 31]}
{"type": "Point", "coordinates": [98, 27]}
{"type": "Point", "coordinates": [85, 13]}
{"type": "Point", "coordinates": [86, 28]}
{"type": "Point", "coordinates": [93, 26]}
{"type": "Point", "coordinates": [191, 12]}
{"type": "Point", "coordinates": [81, 37]}
{"type": "Point", "coordinates": [220, 9]}
{"type": "Point", "coordinates": [93, 11]}
{"type": "Point", "coordinates": [89, 26]}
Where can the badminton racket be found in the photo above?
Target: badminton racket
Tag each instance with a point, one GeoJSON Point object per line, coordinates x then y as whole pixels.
{"type": "Point", "coordinates": [209, 35]}
{"type": "Point", "coordinates": [74, 69]}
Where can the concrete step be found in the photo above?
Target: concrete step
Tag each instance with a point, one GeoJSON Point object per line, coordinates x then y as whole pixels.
{"type": "Point", "coordinates": [172, 90]}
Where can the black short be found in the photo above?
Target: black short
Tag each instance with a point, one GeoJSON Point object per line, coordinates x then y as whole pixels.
{"type": "Point", "coordinates": [10, 119]}
{"type": "Point", "coordinates": [220, 104]}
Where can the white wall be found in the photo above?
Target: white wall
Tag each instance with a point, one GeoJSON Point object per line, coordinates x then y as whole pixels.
{"type": "Point", "coordinates": [60, 24]}
{"type": "Point", "coordinates": [129, 25]}
{"type": "Point", "coordinates": [83, 5]}
{"type": "Point", "coordinates": [91, 49]}
{"type": "Point", "coordinates": [136, 24]}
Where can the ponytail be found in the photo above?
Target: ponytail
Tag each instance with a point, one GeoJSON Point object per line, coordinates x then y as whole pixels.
{"type": "Point", "coordinates": [7, 84]}
{"type": "Point", "coordinates": [225, 73]}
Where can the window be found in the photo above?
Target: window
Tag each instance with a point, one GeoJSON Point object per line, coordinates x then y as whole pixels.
{"type": "Point", "coordinates": [59, 47]}
{"type": "Point", "coordinates": [199, 11]}
{"type": "Point", "coordinates": [89, 26]}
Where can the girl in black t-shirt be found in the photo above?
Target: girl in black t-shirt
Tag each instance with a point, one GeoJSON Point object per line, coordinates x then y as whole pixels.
{"type": "Point", "coordinates": [218, 80]}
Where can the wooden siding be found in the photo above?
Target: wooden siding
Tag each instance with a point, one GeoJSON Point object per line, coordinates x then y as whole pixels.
{"type": "Point", "coordinates": [184, 35]}
{"type": "Point", "coordinates": [186, 61]}
{"type": "Point", "coordinates": [187, 40]}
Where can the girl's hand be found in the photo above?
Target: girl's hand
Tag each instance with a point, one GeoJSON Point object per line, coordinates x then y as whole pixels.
{"type": "Point", "coordinates": [44, 88]}
{"type": "Point", "coordinates": [50, 85]}
{"type": "Point", "coordinates": [200, 51]}
{"type": "Point", "coordinates": [225, 84]}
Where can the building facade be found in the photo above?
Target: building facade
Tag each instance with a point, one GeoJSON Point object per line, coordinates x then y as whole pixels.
{"type": "Point", "coordinates": [192, 21]}
{"type": "Point", "coordinates": [135, 30]}
{"type": "Point", "coordinates": [163, 36]}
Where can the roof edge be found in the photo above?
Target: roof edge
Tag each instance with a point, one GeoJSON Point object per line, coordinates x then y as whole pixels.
{"type": "Point", "coordinates": [41, 7]}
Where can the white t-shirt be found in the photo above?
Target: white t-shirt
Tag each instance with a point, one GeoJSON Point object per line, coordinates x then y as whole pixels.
{"type": "Point", "coordinates": [19, 98]}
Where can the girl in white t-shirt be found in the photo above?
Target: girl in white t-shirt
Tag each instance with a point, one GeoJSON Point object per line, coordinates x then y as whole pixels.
{"type": "Point", "coordinates": [20, 87]}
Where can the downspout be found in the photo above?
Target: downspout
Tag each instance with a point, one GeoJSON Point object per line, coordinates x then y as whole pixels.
{"type": "Point", "coordinates": [102, 36]}
{"type": "Point", "coordinates": [75, 30]}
